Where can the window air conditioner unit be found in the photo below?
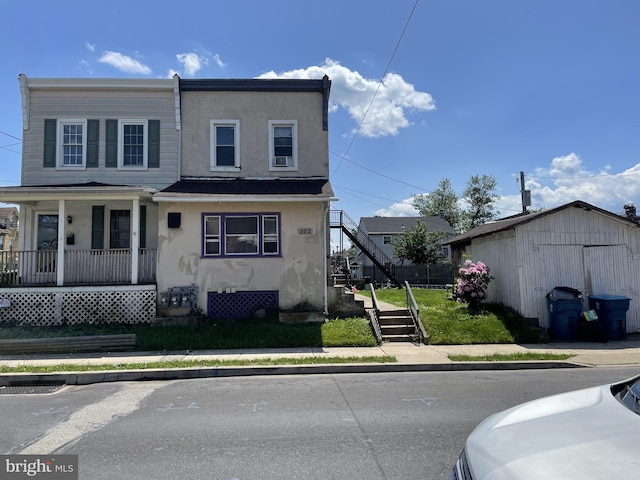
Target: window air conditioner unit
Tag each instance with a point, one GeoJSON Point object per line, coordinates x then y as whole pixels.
{"type": "Point", "coordinates": [281, 161]}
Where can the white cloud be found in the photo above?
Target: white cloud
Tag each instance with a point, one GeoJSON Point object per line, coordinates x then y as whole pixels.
{"type": "Point", "coordinates": [566, 180]}
{"type": "Point", "coordinates": [404, 208]}
{"type": "Point", "coordinates": [219, 61]}
{"type": "Point", "coordinates": [192, 62]}
{"type": "Point", "coordinates": [172, 72]}
{"type": "Point", "coordinates": [387, 114]}
{"type": "Point", "coordinates": [91, 46]}
{"type": "Point", "coordinates": [124, 63]}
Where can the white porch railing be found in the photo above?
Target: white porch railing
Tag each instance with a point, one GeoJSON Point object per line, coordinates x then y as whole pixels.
{"type": "Point", "coordinates": [81, 267]}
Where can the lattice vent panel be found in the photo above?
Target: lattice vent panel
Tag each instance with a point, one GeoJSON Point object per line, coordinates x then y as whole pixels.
{"type": "Point", "coordinates": [76, 307]}
{"type": "Point", "coordinates": [240, 304]}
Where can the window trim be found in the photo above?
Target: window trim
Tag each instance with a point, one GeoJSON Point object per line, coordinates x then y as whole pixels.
{"type": "Point", "coordinates": [212, 145]}
{"type": "Point", "coordinates": [222, 238]}
{"type": "Point", "coordinates": [61, 123]}
{"type": "Point", "coordinates": [294, 147]}
{"type": "Point", "coordinates": [145, 151]}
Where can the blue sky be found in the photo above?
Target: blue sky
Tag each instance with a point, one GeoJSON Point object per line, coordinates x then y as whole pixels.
{"type": "Point", "coordinates": [421, 90]}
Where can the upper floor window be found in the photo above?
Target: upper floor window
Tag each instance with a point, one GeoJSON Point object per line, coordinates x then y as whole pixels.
{"type": "Point", "coordinates": [72, 142]}
{"type": "Point", "coordinates": [241, 235]}
{"type": "Point", "coordinates": [132, 143]}
{"type": "Point", "coordinates": [225, 146]}
{"type": "Point", "coordinates": [387, 240]}
{"type": "Point", "coordinates": [283, 145]}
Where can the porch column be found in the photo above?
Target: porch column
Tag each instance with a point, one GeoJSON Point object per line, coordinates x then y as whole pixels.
{"type": "Point", "coordinates": [61, 237]}
{"type": "Point", "coordinates": [135, 240]}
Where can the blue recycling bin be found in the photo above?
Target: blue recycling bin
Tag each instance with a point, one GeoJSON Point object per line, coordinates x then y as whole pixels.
{"type": "Point", "coordinates": [612, 311]}
{"type": "Point", "coordinates": [565, 308]}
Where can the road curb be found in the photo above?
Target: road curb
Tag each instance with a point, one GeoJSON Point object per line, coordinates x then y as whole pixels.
{"type": "Point", "coordinates": [86, 378]}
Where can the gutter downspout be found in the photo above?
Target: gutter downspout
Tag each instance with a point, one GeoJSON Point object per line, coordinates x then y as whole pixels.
{"type": "Point", "coordinates": [325, 256]}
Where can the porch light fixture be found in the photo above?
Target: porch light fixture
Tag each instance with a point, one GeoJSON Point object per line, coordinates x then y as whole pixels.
{"type": "Point", "coordinates": [69, 219]}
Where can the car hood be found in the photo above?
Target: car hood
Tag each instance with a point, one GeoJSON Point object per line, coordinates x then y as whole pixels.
{"type": "Point", "coordinates": [586, 434]}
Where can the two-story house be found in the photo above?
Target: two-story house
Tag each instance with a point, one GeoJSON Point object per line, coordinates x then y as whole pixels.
{"type": "Point", "coordinates": [94, 152]}
{"type": "Point", "coordinates": [247, 225]}
{"type": "Point", "coordinates": [213, 192]}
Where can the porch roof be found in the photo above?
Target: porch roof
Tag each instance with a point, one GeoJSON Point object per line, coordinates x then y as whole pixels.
{"type": "Point", "coordinates": [238, 190]}
{"type": "Point", "coordinates": [84, 191]}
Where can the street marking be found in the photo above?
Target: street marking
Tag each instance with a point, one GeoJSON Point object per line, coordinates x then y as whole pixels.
{"type": "Point", "coordinates": [51, 411]}
{"type": "Point", "coordinates": [171, 406]}
{"type": "Point", "coordinates": [255, 407]}
{"type": "Point", "coordinates": [426, 400]}
{"type": "Point", "coordinates": [91, 418]}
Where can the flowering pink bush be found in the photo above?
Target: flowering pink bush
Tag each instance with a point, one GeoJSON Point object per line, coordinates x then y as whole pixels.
{"type": "Point", "coordinates": [472, 282]}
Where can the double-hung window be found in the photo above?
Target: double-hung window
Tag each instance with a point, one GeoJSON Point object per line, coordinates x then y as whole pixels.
{"type": "Point", "coordinates": [283, 145]}
{"type": "Point", "coordinates": [241, 234]}
{"type": "Point", "coordinates": [72, 143]}
{"type": "Point", "coordinates": [132, 143]}
{"type": "Point", "coordinates": [225, 145]}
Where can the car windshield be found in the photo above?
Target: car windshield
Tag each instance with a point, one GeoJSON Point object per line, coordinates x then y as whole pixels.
{"type": "Point", "coordinates": [629, 395]}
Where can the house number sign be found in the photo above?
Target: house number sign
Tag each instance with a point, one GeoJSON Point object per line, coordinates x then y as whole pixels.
{"type": "Point", "coordinates": [305, 231]}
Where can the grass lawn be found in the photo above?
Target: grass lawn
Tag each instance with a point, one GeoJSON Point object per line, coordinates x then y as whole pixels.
{"type": "Point", "coordinates": [450, 323]}
{"type": "Point", "coordinates": [221, 334]}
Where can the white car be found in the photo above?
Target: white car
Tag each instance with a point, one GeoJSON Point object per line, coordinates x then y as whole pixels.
{"type": "Point", "coordinates": [586, 434]}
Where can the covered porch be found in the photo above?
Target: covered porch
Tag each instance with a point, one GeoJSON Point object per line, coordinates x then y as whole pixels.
{"type": "Point", "coordinates": [90, 234]}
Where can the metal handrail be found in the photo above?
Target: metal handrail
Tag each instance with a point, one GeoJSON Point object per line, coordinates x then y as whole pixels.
{"type": "Point", "coordinates": [412, 307]}
{"type": "Point", "coordinates": [374, 317]}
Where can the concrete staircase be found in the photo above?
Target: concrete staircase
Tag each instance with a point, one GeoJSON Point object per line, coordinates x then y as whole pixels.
{"type": "Point", "coordinates": [397, 326]}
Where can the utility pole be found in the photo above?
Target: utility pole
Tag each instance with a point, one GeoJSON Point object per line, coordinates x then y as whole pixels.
{"type": "Point", "coordinates": [525, 195]}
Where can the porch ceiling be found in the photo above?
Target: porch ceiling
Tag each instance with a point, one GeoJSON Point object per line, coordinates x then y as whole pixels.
{"type": "Point", "coordinates": [92, 191]}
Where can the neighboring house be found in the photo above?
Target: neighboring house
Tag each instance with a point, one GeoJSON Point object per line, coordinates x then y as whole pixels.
{"type": "Point", "coordinates": [575, 245]}
{"type": "Point", "coordinates": [246, 228]}
{"type": "Point", "coordinates": [8, 230]}
{"type": "Point", "coordinates": [383, 231]}
{"type": "Point", "coordinates": [94, 152]}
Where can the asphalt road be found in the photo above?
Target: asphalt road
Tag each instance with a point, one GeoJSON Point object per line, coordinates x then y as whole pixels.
{"type": "Point", "coordinates": [349, 426]}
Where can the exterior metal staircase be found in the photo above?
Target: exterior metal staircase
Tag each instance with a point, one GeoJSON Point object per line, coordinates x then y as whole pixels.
{"type": "Point", "coordinates": [359, 237]}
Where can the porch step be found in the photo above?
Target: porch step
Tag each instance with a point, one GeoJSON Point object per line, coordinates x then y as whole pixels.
{"type": "Point", "coordinates": [396, 326]}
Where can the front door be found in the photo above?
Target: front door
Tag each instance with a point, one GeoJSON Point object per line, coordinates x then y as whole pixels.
{"type": "Point", "coordinates": [47, 232]}
{"type": "Point", "coordinates": [44, 262]}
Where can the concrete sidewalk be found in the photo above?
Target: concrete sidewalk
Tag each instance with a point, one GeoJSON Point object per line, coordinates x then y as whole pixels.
{"type": "Point", "coordinates": [410, 357]}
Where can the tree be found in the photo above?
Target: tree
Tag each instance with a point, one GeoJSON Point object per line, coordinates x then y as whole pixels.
{"type": "Point", "coordinates": [479, 196]}
{"type": "Point", "coordinates": [418, 245]}
{"type": "Point", "coordinates": [442, 202]}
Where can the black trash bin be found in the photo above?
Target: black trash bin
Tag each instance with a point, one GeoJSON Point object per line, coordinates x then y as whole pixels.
{"type": "Point", "coordinates": [565, 308]}
{"type": "Point", "coordinates": [612, 311]}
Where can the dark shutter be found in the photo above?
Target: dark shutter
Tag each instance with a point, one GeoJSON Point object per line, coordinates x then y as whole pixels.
{"type": "Point", "coordinates": [97, 227]}
{"type": "Point", "coordinates": [153, 160]}
{"type": "Point", "coordinates": [92, 143]}
{"type": "Point", "coordinates": [111, 144]}
{"type": "Point", "coordinates": [143, 226]}
{"type": "Point", "coordinates": [49, 160]}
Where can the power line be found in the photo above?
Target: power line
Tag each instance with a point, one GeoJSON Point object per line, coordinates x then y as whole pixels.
{"type": "Point", "coordinates": [9, 135]}
{"type": "Point", "coordinates": [381, 174]}
{"type": "Point", "coordinates": [386, 70]}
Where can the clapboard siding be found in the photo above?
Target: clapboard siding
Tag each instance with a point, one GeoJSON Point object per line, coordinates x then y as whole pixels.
{"type": "Point", "coordinates": [591, 251]}
{"type": "Point", "coordinates": [101, 105]}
